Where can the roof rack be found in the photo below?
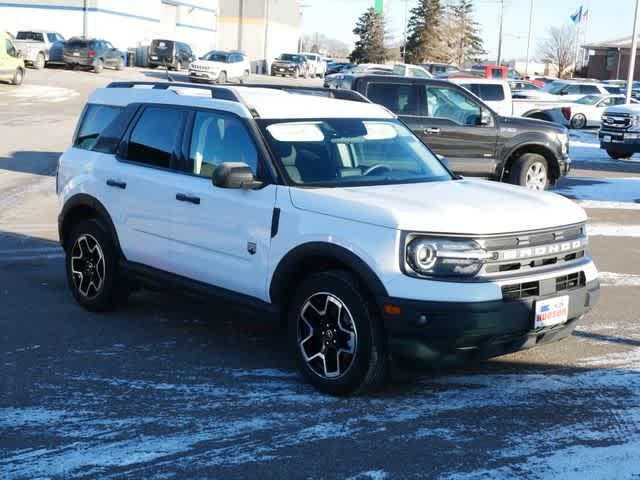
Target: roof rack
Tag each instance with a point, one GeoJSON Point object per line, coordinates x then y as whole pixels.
{"type": "Point", "coordinates": [227, 91]}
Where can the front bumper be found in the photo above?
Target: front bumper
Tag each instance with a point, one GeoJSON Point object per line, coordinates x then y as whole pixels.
{"type": "Point", "coordinates": [444, 334]}
{"type": "Point", "coordinates": [283, 69]}
{"type": "Point", "coordinates": [198, 75]}
{"type": "Point", "coordinates": [85, 61]}
{"type": "Point", "coordinates": [617, 141]}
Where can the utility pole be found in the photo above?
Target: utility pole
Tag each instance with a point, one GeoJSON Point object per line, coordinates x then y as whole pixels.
{"type": "Point", "coordinates": [85, 22]}
{"type": "Point", "coordinates": [404, 43]}
{"type": "Point", "coordinates": [266, 36]}
{"type": "Point", "coordinates": [632, 58]}
{"type": "Point", "coordinates": [499, 62]}
{"type": "Point", "coordinates": [526, 68]}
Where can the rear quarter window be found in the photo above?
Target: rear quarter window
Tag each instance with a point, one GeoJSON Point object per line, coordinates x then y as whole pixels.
{"type": "Point", "coordinates": [94, 120]}
{"type": "Point", "coordinates": [400, 99]}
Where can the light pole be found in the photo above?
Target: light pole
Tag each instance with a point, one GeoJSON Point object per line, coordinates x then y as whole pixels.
{"type": "Point", "coordinates": [526, 68]}
{"type": "Point", "coordinates": [404, 44]}
{"type": "Point", "coordinates": [632, 58]}
{"type": "Point", "coordinates": [266, 36]}
{"type": "Point", "coordinates": [499, 62]}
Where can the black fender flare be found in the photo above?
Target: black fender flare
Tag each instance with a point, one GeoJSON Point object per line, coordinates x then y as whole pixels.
{"type": "Point", "coordinates": [290, 262]}
{"type": "Point", "coordinates": [536, 143]}
{"type": "Point", "coordinates": [81, 200]}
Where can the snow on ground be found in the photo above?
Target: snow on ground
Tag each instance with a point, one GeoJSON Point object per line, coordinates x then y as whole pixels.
{"type": "Point", "coordinates": [612, 230]}
{"type": "Point", "coordinates": [28, 94]}
{"type": "Point", "coordinates": [617, 192]}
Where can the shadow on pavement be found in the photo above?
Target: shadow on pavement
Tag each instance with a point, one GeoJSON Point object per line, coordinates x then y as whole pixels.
{"type": "Point", "coordinates": [608, 338]}
{"type": "Point", "coordinates": [37, 163]}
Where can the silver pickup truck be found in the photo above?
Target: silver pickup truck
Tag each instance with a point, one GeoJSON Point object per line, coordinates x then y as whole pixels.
{"type": "Point", "coordinates": [39, 47]}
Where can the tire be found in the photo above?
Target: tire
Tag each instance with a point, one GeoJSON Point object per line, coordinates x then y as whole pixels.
{"type": "Point", "coordinates": [18, 77]}
{"type": "Point", "coordinates": [619, 155]}
{"type": "Point", "coordinates": [91, 254]}
{"type": "Point", "coordinates": [222, 77]}
{"type": "Point", "coordinates": [245, 76]}
{"type": "Point", "coordinates": [340, 372]}
{"type": "Point", "coordinates": [296, 73]}
{"type": "Point", "coordinates": [120, 64]}
{"type": "Point", "coordinates": [153, 67]}
{"type": "Point", "coordinates": [578, 121]}
{"type": "Point", "coordinates": [40, 62]}
{"type": "Point", "coordinates": [530, 170]}
{"type": "Point", "coordinates": [306, 74]}
{"type": "Point", "coordinates": [98, 66]}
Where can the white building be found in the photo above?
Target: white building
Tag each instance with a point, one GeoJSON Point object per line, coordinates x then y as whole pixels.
{"type": "Point", "coordinates": [261, 28]}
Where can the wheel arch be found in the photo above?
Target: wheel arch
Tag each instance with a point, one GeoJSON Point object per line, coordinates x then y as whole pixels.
{"type": "Point", "coordinates": [83, 207]}
{"type": "Point", "coordinates": [539, 148]}
{"type": "Point", "coordinates": [313, 257]}
{"type": "Point", "coordinates": [538, 115]}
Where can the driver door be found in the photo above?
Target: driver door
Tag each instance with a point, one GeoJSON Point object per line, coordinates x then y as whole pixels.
{"type": "Point", "coordinates": [453, 128]}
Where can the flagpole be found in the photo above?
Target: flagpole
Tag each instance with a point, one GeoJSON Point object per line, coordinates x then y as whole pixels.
{"type": "Point", "coordinates": [577, 42]}
{"type": "Point", "coordinates": [632, 58]}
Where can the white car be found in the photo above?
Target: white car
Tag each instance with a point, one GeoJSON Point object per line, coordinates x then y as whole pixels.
{"type": "Point", "coordinates": [220, 67]}
{"type": "Point", "coordinates": [406, 70]}
{"type": "Point", "coordinates": [343, 224]}
{"type": "Point", "coordinates": [317, 66]}
{"type": "Point", "coordinates": [571, 90]}
{"type": "Point", "coordinates": [586, 111]}
{"type": "Point", "coordinates": [495, 93]}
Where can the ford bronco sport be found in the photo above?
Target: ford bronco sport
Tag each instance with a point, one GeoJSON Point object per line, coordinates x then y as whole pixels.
{"type": "Point", "coordinates": [342, 222]}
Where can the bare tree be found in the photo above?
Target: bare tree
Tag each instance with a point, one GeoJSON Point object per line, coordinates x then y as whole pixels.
{"type": "Point", "coordinates": [558, 48]}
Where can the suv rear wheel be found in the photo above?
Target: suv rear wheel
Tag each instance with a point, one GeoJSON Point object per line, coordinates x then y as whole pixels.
{"type": "Point", "coordinates": [39, 62]}
{"type": "Point", "coordinates": [337, 334]}
{"type": "Point", "coordinates": [531, 171]}
{"type": "Point", "coordinates": [98, 66]}
{"type": "Point", "coordinates": [91, 264]}
{"type": "Point", "coordinates": [120, 64]}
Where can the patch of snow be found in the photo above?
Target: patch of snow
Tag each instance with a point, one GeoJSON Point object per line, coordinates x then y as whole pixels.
{"type": "Point", "coordinates": [609, 279]}
{"type": "Point", "coordinates": [607, 205]}
{"type": "Point", "coordinates": [613, 230]}
{"type": "Point", "coordinates": [42, 93]}
{"type": "Point", "coordinates": [600, 188]}
{"type": "Point", "coordinates": [370, 475]}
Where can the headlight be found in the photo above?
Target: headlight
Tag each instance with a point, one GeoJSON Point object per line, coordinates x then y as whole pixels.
{"type": "Point", "coordinates": [563, 138]}
{"type": "Point", "coordinates": [445, 257]}
{"type": "Point", "coordinates": [635, 123]}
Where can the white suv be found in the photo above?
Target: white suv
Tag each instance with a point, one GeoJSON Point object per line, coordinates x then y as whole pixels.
{"type": "Point", "coordinates": [220, 67]}
{"type": "Point", "coordinates": [344, 223]}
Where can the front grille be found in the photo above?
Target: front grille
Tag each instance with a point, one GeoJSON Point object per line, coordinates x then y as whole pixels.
{"type": "Point", "coordinates": [199, 68]}
{"type": "Point", "coordinates": [563, 283]}
{"type": "Point", "coordinates": [533, 251]}
{"type": "Point", "coordinates": [616, 121]}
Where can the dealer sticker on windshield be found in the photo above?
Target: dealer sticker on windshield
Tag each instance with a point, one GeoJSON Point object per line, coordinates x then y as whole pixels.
{"type": "Point", "coordinates": [552, 311]}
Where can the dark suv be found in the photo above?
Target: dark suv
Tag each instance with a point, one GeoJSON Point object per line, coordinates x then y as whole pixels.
{"type": "Point", "coordinates": [169, 53]}
{"type": "Point", "coordinates": [93, 53]}
{"type": "Point", "coordinates": [474, 140]}
{"type": "Point", "coordinates": [290, 64]}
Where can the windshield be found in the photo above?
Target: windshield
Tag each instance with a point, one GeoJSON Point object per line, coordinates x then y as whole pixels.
{"type": "Point", "coordinates": [350, 152]}
{"type": "Point", "coordinates": [588, 100]}
{"type": "Point", "coordinates": [35, 36]}
{"type": "Point", "coordinates": [216, 57]}
{"type": "Point", "coordinates": [291, 58]}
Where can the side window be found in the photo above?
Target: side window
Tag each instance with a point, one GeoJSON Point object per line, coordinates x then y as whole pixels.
{"type": "Point", "coordinates": [9, 48]}
{"type": "Point", "coordinates": [496, 73]}
{"type": "Point", "coordinates": [416, 72]}
{"type": "Point", "coordinates": [108, 45]}
{"type": "Point", "coordinates": [617, 100]}
{"type": "Point", "coordinates": [217, 138]}
{"type": "Point", "coordinates": [51, 37]}
{"type": "Point", "coordinates": [573, 90]}
{"type": "Point", "coordinates": [154, 137]}
{"type": "Point", "coordinates": [94, 121]}
{"type": "Point", "coordinates": [443, 102]}
{"type": "Point", "coordinates": [400, 99]}
{"type": "Point", "coordinates": [491, 92]}
{"type": "Point", "coordinates": [589, 90]}
{"type": "Point", "coordinates": [59, 37]}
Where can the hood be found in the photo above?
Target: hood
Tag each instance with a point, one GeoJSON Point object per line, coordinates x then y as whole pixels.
{"type": "Point", "coordinates": [633, 109]}
{"type": "Point", "coordinates": [531, 124]}
{"type": "Point", "coordinates": [285, 62]}
{"type": "Point", "coordinates": [473, 207]}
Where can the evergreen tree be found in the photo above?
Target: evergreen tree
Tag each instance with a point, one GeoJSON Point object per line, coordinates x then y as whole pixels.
{"type": "Point", "coordinates": [371, 31]}
{"type": "Point", "coordinates": [425, 42]}
{"type": "Point", "coordinates": [464, 40]}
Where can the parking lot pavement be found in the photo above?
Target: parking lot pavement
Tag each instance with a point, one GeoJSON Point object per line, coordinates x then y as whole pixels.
{"type": "Point", "coordinates": [171, 387]}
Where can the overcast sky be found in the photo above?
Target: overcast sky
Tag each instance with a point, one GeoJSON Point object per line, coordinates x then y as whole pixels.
{"type": "Point", "coordinates": [608, 19]}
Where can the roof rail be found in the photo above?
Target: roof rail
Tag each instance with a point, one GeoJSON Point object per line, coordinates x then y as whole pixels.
{"type": "Point", "coordinates": [217, 92]}
{"type": "Point", "coordinates": [338, 94]}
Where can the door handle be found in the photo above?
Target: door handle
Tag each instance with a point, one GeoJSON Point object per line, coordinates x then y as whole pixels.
{"type": "Point", "coordinates": [431, 131]}
{"type": "Point", "coordinates": [117, 183]}
{"type": "Point", "coordinates": [181, 197]}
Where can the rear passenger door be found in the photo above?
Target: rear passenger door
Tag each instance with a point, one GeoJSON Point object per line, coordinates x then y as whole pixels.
{"type": "Point", "coordinates": [144, 183]}
{"type": "Point", "coordinates": [221, 236]}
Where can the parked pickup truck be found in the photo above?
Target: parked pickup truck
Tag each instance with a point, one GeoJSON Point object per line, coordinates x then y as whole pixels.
{"type": "Point", "coordinates": [497, 94]}
{"type": "Point", "coordinates": [474, 139]}
{"type": "Point", "coordinates": [620, 131]}
{"type": "Point", "coordinates": [39, 47]}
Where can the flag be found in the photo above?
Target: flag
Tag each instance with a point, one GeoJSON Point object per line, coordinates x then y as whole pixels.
{"type": "Point", "coordinates": [585, 16]}
{"type": "Point", "coordinates": [577, 17]}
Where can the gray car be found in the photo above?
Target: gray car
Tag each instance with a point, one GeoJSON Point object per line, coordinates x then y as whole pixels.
{"type": "Point", "coordinates": [40, 47]}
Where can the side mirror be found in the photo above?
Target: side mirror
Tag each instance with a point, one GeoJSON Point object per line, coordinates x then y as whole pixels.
{"type": "Point", "coordinates": [486, 118]}
{"type": "Point", "coordinates": [235, 175]}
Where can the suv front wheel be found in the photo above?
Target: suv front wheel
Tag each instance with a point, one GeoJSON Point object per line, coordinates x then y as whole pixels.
{"type": "Point", "coordinates": [91, 264]}
{"type": "Point", "coordinates": [530, 170]}
{"type": "Point", "coordinates": [337, 334]}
